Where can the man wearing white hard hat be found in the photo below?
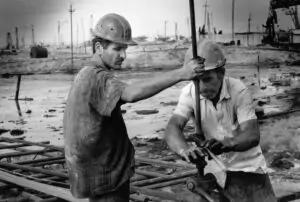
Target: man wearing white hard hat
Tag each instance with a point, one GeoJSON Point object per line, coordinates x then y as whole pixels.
{"type": "Point", "coordinates": [229, 125]}
{"type": "Point", "coordinates": [99, 154]}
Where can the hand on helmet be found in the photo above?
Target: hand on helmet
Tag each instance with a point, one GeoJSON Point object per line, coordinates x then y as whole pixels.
{"type": "Point", "coordinates": [194, 68]}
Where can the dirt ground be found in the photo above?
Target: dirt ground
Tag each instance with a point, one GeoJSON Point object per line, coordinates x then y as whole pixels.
{"type": "Point", "coordinates": [38, 116]}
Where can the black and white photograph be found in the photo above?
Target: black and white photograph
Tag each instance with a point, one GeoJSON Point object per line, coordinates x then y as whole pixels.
{"type": "Point", "coordinates": [149, 100]}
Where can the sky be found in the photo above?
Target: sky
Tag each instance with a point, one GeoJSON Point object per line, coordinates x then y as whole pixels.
{"type": "Point", "coordinates": [147, 17]}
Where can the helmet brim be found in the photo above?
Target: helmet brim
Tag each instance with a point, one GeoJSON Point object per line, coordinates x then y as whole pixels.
{"type": "Point", "coordinates": [127, 42]}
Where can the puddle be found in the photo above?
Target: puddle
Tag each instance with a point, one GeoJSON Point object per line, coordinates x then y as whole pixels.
{"type": "Point", "coordinates": [3, 130]}
{"type": "Point", "coordinates": [147, 111]}
{"type": "Point", "coordinates": [16, 132]}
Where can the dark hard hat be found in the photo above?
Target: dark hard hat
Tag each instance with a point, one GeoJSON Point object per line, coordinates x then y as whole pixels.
{"type": "Point", "coordinates": [210, 51]}
{"type": "Point", "coordinates": [115, 28]}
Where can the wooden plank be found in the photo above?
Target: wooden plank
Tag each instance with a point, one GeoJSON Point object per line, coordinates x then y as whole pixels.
{"type": "Point", "coordinates": [5, 139]}
{"type": "Point", "coordinates": [15, 154]}
{"type": "Point", "coordinates": [17, 138]}
{"type": "Point", "coordinates": [26, 150]}
{"type": "Point", "coordinates": [47, 189]}
{"type": "Point", "coordinates": [61, 161]}
{"type": "Point", "coordinates": [13, 146]}
{"type": "Point", "coordinates": [3, 146]}
{"type": "Point", "coordinates": [53, 199]}
{"type": "Point", "coordinates": [40, 160]}
{"type": "Point", "coordinates": [33, 169]}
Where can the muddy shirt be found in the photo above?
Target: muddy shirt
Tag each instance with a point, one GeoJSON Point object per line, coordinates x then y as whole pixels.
{"type": "Point", "coordinates": [99, 154]}
{"type": "Point", "coordinates": [234, 107]}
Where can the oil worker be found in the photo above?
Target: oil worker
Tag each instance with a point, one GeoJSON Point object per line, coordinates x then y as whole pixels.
{"type": "Point", "coordinates": [99, 154]}
{"type": "Point", "coordinates": [229, 125]}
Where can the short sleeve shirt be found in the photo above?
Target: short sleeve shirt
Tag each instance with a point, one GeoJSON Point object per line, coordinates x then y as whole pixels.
{"type": "Point", "coordinates": [99, 154]}
{"type": "Point", "coordinates": [234, 107]}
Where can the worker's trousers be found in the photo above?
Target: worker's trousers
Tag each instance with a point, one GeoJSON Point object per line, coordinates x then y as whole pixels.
{"type": "Point", "coordinates": [120, 195]}
{"type": "Point", "coordinates": [249, 187]}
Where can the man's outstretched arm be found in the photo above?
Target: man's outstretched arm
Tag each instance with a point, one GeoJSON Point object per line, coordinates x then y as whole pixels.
{"type": "Point", "coordinates": [142, 90]}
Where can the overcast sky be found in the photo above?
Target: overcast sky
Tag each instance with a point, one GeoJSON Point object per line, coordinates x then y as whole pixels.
{"type": "Point", "coordinates": [145, 16]}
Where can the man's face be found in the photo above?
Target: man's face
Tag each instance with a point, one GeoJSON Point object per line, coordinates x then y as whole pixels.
{"type": "Point", "coordinates": [210, 84]}
{"type": "Point", "coordinates": [114, 55]}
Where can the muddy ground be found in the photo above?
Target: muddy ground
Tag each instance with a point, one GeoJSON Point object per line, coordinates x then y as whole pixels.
{"type": "Point", "coordinates": [38, 116]}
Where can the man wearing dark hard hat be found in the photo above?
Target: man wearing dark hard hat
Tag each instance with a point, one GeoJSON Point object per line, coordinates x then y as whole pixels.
{"type": "Point", "coordinates": [229, 125]}
{"type": "Point", "coordinates": [99, 154]}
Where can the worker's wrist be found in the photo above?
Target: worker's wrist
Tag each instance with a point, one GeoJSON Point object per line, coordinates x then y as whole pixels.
{"type": "Point", "coordinates": [180, 74]}
{"type": "Point", "coordinates": [231, 143]}
{"type": "Point", "coordinates": [180, 151]}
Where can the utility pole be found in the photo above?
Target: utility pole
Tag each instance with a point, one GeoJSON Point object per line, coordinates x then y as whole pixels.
{"type": "Point", "coordinates": [249, 26]}
{"type": "Point", "coordinates": [208, 23]}
{"type": "Point", "coordinates": [58, 34]}
{"type": "Point", "coordinates": [176, 32]}
{"type": "Point", "coordinates": [166, 28]}
{"type": "Point", "coordinates": [205, 12]}
{"type": "Point", "coordinates": [23, 41]}
{"type": "Point", "coordinates": [77, 34]}
{"type": "Point", "coordinates": [233, 3]}
{"type": "Point", "coordinates": [212, 21]}
{"type": "Point", "coordinates": [91, 27]}
{"type": "Point", "coordinates": [82, 27]}
{"type": "Point", "coordinates": [71, 10]}
{"type": "Point", "coordinates": [17, 38]}
{"type": "Point", "coordinates": [188, 24]}
{"type": "Point", "coordinates": [32, 29]}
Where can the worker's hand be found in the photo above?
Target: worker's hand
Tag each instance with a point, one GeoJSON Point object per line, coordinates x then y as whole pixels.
{"type": "Point", "coordinates": [213, 145]}
{"type": "Point", "coordinates": [192, 154]}
{"type": "Point", "coordinates": [194, 68]}
{"type": "Point", "coordinates": [218, 147]}
{"type": "Point", "coordinates": [228, 144]}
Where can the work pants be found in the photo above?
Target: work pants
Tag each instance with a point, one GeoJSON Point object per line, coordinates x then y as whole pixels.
{"type": "Point", "coordinates": [120, 195]}
{"type": "Point", "coordinates": [249, 187]}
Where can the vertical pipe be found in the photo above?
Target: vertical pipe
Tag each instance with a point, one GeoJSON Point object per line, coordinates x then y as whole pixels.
{"type": "Point", "coordinates": [196, 81]}
{"type": "Point", "coordinates": [188, 24]}
{"type": "Point", "coordinates": [233, 2]}
{"type": "Point", "coordinates": [18, 87]}
{"type": "Point", "coordinates": [83, 35]}
{"type": "Point", "coordinates": [18, 107]}
{"type": "Point", "coordinates": [165, 28]}
{"type": "Point", "coordinates": [33, 41]}
{"type": "Point", "coordinates": [258, 72]}
{"type": "Point", "coordinates": [71, 11]}
{"type": "Point", "coordinates": [17, 38]}
{"type": "Point", "coordinates": [77, 34]}
{"type": "Point", "coordinates": [205, 9]}
{"type": "Point", "coordinates": [58, 34]}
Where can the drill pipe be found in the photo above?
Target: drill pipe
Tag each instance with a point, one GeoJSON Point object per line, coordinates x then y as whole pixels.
{"type": "Point", "coordinates": [166, 184]}
{"type": "Point", "coordinates": [162, 179]}
{"type": "Point", "coordinates": [162, 163]}
{"type": "Point", "coordinates": [167, 195]}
